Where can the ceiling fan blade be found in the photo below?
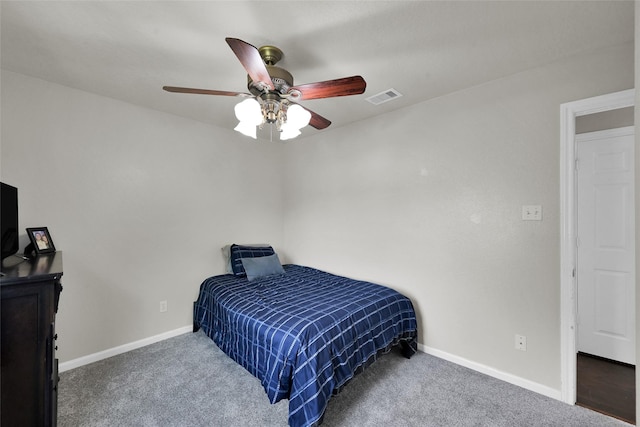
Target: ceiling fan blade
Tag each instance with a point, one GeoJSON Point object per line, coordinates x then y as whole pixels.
{"type": "Point", "coordinates": [251, 61]}
{"type": "Point", "coordinates": [345, 86]}
{"type": "Point", "coordinates": [203, 91]}
{"type": "Point", "coordinates": [317, 121]}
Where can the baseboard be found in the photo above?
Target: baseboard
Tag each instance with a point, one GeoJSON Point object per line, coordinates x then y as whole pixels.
{"type": "Point", "coordinates": [85, 360]}
{"type": "Point", "coordinates": [492, 372]}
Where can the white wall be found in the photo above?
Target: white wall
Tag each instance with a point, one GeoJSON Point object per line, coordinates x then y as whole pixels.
{"type": "Point", "coordinates": [428, 200]}
{"type": "Point", "coordinates": [610, 119]}
{"type": "Point", "coordinates": [139, 201]}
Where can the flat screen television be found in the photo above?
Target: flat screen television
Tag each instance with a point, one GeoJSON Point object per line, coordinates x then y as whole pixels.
{"type": "Point", "coordinates": [9, 219]}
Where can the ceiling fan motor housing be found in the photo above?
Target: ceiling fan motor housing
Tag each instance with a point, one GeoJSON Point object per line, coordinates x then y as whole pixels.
{"type": "Point", "coordinates": [281, 78]}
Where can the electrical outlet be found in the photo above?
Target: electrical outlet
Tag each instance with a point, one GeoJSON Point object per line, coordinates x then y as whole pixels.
{"type": "Point", "coordinates": [532, 213]}
{"type": "Point", "coordinates": [163, 306]}
{"type": "Point", "coordinates": [521, 343]}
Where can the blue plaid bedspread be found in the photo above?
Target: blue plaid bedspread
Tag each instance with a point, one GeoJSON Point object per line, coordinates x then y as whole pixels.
{"type": "Point", "coordinates": [303, 334]}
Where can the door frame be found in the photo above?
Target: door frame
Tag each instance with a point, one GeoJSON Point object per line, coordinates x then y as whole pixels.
{"type": "Point", "coordinates": [568, 251]}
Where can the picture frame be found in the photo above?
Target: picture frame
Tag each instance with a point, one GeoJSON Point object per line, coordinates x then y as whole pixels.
{"type": "Point", "coordinates": [41, 240]}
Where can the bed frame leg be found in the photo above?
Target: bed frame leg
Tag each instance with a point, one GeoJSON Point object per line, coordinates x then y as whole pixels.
{"type": "Point", "coordinates": [196, 327]}
{"type": "Point", "coordinates": [406, 349]}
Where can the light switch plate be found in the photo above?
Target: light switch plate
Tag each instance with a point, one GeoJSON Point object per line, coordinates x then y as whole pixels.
{"type": "Point", "coordinates": [532, 213]}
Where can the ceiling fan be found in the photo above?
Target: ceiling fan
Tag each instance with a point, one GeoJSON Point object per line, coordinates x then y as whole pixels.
{"type": "Point", "coordinates": [273, 98]}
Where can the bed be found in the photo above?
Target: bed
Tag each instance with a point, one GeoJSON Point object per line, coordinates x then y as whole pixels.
{"type": "Point", "coordinates": [304, 333]}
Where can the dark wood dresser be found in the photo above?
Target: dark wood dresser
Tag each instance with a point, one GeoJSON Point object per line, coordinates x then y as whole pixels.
{"type": "Point", "coordinates": [30, 291]}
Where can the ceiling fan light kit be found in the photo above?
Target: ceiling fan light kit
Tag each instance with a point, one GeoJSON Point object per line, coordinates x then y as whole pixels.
{"type": "Point", "coordinates": [273, 93]}
{"type": "Point", "coordinates": [288, 119]}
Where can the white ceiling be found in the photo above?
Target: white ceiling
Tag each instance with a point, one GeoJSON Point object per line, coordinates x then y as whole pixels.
{"type": "Point", "coordinates": [129, 49]}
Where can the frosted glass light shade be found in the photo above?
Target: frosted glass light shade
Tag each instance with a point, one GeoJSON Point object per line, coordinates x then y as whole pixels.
{"type": "Point", "coordinates": [288, 132]}
{"type": "Point", "coordinates": [249, 111]}
{"type": "Point", "coordinates": [246, 128]}
{"type": "Point", "coordinates": [297, 116]}
{"type": "Point", "coordinates": [250, 115]}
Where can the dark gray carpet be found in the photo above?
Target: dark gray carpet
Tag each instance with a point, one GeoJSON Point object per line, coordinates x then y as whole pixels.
{"type": "Point", "coordinates": [188, 381]}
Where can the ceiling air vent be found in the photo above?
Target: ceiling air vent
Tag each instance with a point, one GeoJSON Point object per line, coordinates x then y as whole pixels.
{"type": "Point", "coordinates": [384, 96]}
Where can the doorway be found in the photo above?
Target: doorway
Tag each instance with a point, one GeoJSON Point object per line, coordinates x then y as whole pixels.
{"type": "Point", "coordinates": [606, 268]}
{"type": "Point", "coordinates": [568, 214]}
{"type": "Point", "coordinates": [605, 214]}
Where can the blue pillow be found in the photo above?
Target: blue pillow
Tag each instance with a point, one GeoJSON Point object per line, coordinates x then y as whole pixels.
{"type": "Point", "coordinates": [238, 252]}
{"type": "Point", "coordinates": [264, 266]}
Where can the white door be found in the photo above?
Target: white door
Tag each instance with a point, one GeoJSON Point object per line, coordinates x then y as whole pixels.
{"type": "Point", "coordinates": [606, 245]}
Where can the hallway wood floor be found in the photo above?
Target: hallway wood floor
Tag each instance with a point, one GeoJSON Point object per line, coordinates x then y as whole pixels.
{"type": "Point", "coordinates": [606, 386]}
